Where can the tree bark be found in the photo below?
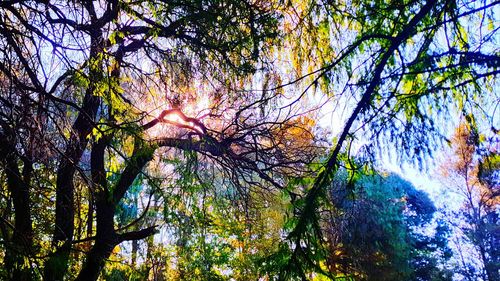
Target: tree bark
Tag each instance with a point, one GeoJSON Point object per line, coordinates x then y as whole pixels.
{"type": "Point", "coordinates": [106, 240]}
{"type": "Point", "coordinates": [105, 200]}
{"type": "Point", "coordinates": [19, 248]}
{"type": "Point", "coordinates": [57, 264]}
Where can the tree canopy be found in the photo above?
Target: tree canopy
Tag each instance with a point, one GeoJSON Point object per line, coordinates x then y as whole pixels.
{"type": "Point", "coordinates": [184, 139]}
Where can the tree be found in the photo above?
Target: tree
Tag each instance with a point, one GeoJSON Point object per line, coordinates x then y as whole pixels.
{"type": "Point", "coordinates": [472, 174]}
{"type": "Point", "coordinates": [101, 96]}
{"type": "Point", "coordinates": [398, 66]}
{"type": "Point", "coordinates": [375, 231]}
{"type": "Point", "coordinates": [79, 85]}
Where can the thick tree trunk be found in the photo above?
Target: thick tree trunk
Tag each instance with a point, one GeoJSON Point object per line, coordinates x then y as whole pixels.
{"type": "Point", "coordinates": [95, 260]}
{"type": "Point", "coordinates": [105, 203]}
{"type": "Point", "coordinates": [57, 265]}
{"type": "Point", "coordinates": [19, 248]}
{"type": "Point", "coordinates": [22, 239]}
{"type": "Point", "coordinates": [106, 240]}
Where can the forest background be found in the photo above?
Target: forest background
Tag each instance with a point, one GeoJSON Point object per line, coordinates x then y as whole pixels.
{"type": "Point", "coordinates": [191, 140]}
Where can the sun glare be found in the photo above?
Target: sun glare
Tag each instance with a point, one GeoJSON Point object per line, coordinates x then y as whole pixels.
{"type": "Point", "coordinates": [173, 118]}
{"type": "Point", "coordinates": [176, 119]}
{"type": "Point", "coordinates": [191, 117]}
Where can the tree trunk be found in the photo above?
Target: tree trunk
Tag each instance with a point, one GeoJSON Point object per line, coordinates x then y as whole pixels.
{"type": "Point", "coordinates": [95, 260]}
{"type": "Point", "coordinates": [19, 248]}
{"type": "Point", "coordinates": [106, 240]}
{"type": "Point", "coordinates": [22, 239]}
{"type": "Point", "coordinates": [105, 203]}
{"type": "Point", "coordinates": [57, 264]}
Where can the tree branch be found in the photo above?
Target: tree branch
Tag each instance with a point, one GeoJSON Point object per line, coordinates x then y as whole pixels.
{"type": "Point", "coordinates": [197, 125]}
{"type": "Point", "coordinates": [137, 235]}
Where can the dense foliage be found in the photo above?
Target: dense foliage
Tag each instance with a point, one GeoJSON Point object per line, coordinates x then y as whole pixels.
{"type": "Point", "coordinates": [186, 140]}
{"type": "Point", "coordinates": [376, 233]}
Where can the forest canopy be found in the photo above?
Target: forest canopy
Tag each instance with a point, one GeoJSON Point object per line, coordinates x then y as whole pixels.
{"type": "Point", "coordinates": [191, 140]}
